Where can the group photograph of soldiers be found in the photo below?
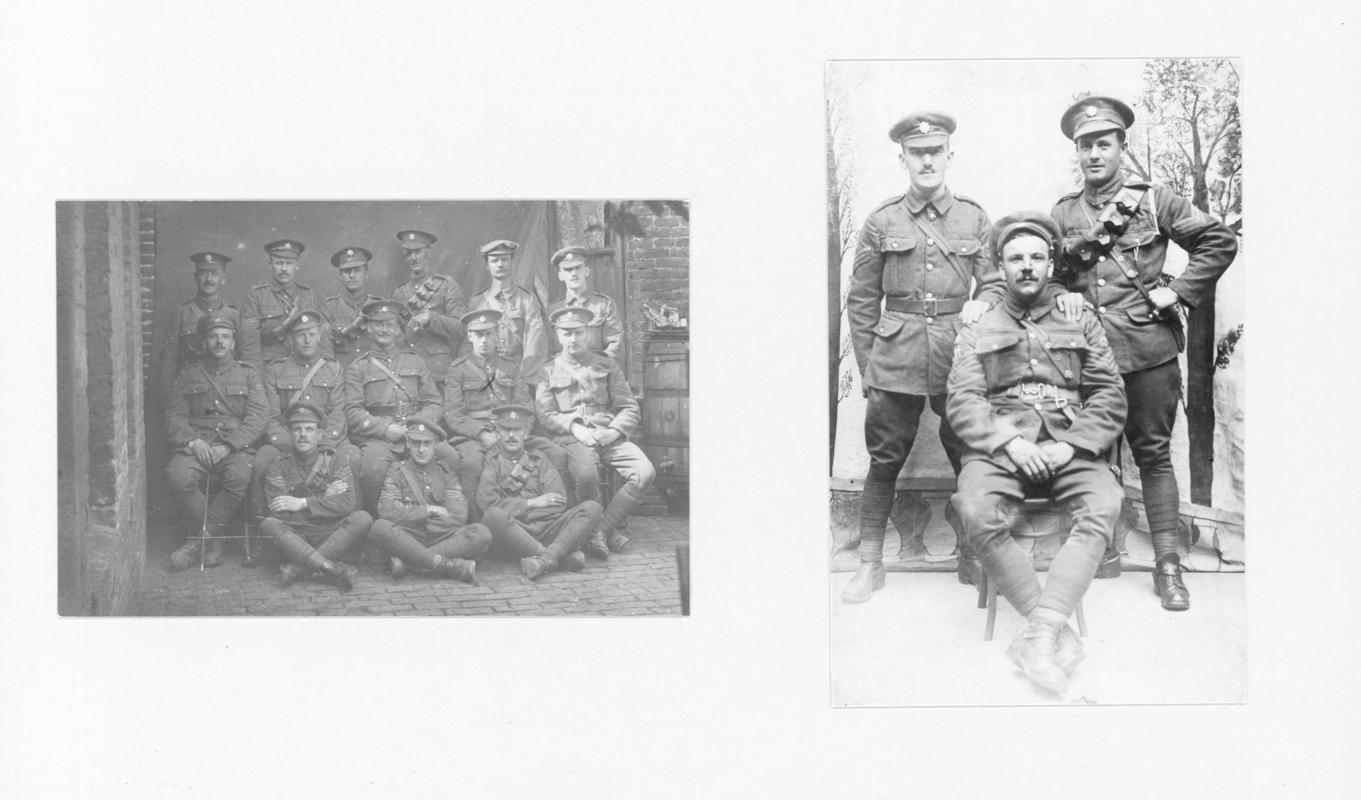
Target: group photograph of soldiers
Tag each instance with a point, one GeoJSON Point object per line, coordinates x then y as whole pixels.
{"type": "Point", "coordinates": [1032, 387]}
{"type": "Point", "coordinates": [450, 396]}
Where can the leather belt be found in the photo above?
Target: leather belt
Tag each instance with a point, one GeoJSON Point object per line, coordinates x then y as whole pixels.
{"type": "Point", "coordinates": [392, 410]}
{"type": "Point", "coordinates": [927, 306]}
{"type": "Point", "coordinates": [216, 423]}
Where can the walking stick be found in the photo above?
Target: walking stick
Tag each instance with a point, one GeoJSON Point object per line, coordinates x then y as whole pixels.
{"type": "Point", "coordinates": [249, 560]}
{"type": "Point", "coordinates": [203, 531]}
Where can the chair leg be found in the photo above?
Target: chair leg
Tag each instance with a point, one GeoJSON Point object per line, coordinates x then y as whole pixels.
{"type": "Point", "coordinates": [992, 611]}
{"type": "Point", "coordinates": [1081, 620]}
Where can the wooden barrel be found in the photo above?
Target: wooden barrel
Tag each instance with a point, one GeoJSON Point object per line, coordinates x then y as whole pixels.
{"type": "Point", "coordinates": [666, 404]}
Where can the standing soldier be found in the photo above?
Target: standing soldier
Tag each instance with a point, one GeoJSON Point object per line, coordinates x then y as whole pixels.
{"type": "Point", "coordinates": [1115, 234]}
{"type": "Point", "coordinates": [605, 334]}
{"type": "Point", "coordinates": [585, 402]}
{"type": "Point", "coordinates": [433, 303]}
{"type": "Point", "coordinates": [477, 383]}
{"type": "Point", "coordinates": [271, 306]}
{"type": "Point", "coordinates": [908, 297]}
{"type": "Point", "coordinates": [182, 340]}
{"type": "Point", "coordinates": [526, 504]}
{"type": "Point", "coordinates": [386, 389]}
{"type": "Point", "coordinates": [304, 375]}
{"type": "Point", "coordinates": [422, 514]}
{"type": "Point", "coordinates": [345, 311]}
{"type": "Point", "coordinates": [519, 332]}
{"type": "Point", "coordinates": [216, 411]}
{"type": "Point", "coordinates": [1037, 402]}
{"type": "Point", "coordinates": [313, 503]}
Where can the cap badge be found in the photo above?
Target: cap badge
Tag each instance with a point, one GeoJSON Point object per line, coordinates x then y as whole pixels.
{"type": "Point", "coordinates": [1091, 111]}
{"type": "Point", "coordinates": [924, 126]}
{"type": "Point", "coordinates": [411, 236]}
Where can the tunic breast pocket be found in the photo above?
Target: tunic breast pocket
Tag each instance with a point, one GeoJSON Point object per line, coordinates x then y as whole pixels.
{"type": "Point", "coordinates": [411, 380]}
{"type": "Point", "coordinates": [564, 392]}
{"type": "Point", "coordinates": [1069, 348]}
{"type": "Point", "coordinates": [236, 395]}
{"type": "Point", "coordinates": [901, 262]}
{"type": "Point", "coordinates": [1000, 357]}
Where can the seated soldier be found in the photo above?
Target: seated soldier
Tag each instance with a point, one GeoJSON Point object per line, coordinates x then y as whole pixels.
{"type": "Point", "coordinates": [386, 389]}
{"type": "Point", "coordinates": [1038, 402]}
{"type": "Point", "coordinates": [585, 402]}
{"type": "Point", "coordinates": [525, 502]}
{"type": "Point", "coordinates": [215, 411]}
{"type": "Point", "coordinates": [302, 375]}
{"type": "Point", "coordinates": [477, 383]}
{"type": "Point", "coordinates": [312, 501]}
{"type": "Point", "coordinates": [422, 513]}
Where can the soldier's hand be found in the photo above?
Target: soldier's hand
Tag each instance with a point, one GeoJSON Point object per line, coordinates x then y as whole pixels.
{"type": "Point", "coordinates": [436, 511]}
{"type": "Point", "coordinates": [1057, 454]}
{"type": "Point", "coordinates": [420, 320]}
{"type": "Point", "coordinates": [1070, 303]}
{"type": "Point", "coordinates": [548, 500]}
{"type": "Point", "coordinates": [286, 502]}
{"type": "Point", "coordinates": [1028, 459]}
{"type": "Point", "coordinates": [219, 452]}
{"type": "Point", "coordinates": [337, 487]}
{"type": "Point", "coordinates": [1163, 297]}
{"type": "Point", "coordinates": [202, 451]}
{"type": "Point", "coordinates": [487, 438]}
{"type": "Point", "coordinates": [584, 435]}
{"type": "Point", "coordinates": [608, 437]}
{"type": "Point", "coordinates": [973, 311]}
{"type": "Point", "coordinates": [394, 433]}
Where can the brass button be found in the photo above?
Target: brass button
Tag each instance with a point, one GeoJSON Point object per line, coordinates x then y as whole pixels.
{"type": "Point", "coordinates": [930, 242]}
{"type": "Point", "coordinates": [1039, 406]}
{"type": "Point", "coordinates": [930, 267]}
{"type": "Point", "coordinates": [1101, 282]}
{"type": "Point", "coordinates": [1100, 258]}
{"type": "Point", "coordinates": [1101, 310]}
{"type": "Point", "coordinates": [1067, 373]}
{"type": "Point", "coordinates": [930, 320]}
{"type": "Point", "coordinates": [1034, 363]}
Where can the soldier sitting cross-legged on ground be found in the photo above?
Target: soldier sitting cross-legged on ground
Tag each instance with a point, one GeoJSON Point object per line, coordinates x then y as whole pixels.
{"type": "Point", "coordinates": [313, 502]}
{"type": "Point", "coordinates": [584, 400]}
{"type": "Point", "coordinates": [215, 411]}
{"type": "Point", "coordinates": [526, 505]}
{"type": "Point", "coordinates": [422, 514]}
{"type": "Point", "coordinates": [1037, 401]}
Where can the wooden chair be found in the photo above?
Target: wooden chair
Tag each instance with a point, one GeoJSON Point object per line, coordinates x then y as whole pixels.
{"type": "Point", "coordinates": [1035, 518]}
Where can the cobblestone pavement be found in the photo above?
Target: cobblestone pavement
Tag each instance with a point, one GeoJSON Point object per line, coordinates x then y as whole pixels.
{"type": "Point", "coordinates": [641, 582]}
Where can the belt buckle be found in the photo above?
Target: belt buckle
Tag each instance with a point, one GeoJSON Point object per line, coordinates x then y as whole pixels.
{"type": "Point", "coordinates": [1060, 402]}
{"type": "Point", "coordinates": [1030, 389]}
{"type": "Point", "coordinates": [930, 306]}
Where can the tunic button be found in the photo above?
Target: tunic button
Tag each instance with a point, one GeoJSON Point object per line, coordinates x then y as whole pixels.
{"type": "Point", "coordinates": [1067, 373]}
{"type": "Point", "coordinates": [1031, 335]}
{"type": "Point", "coordinates": [1039, 406]}
{"type": "Point", "coordinates": [1101, 310]}
{"type": "Point", "coordinates": [1129, 274]}
{"type": "Point", "coordinates": [930, 320]}
{"type": "Point", "coordinates": [930, 242]}
{"type": "Point", "coordinates": [1048, 345]}
{"type": "Point", "coordinates": [930, 267]}
{"type": "Point", "coordinates": [892, 242]}
{"type": "Point", "coordinates": [1101, 282]}
{"type": "Point", "coordinates": [1100, 258]}
{"type": "Point", "coordinates": [931, 214]}
{"type": "Point", "coordinates": [1034, 363]}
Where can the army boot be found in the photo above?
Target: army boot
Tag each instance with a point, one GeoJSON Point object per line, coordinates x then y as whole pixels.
{"type": "Point", "coordinates": [212, 551]}
{"type": "Point", "coordinates": [969, 569]}
{"type": "Point", "coordinates": [625, 501]}
{"type": "Point", "coordinates": [910, 517]}
{"type": "Point", "coordinates": [289, 573]}
{"type": "Point", "coordinates": [574, 561]}
{"type": "Point", "coordinates": [1033, 650]}
{"type": "Point", "coordinates": [535, 566]}
{"type": "Point", "coordinates": [1069, 652]}
{"type": "Point", "coordinates": [1110, 565]}
{"type": "Point", "coordinates": [341, 574]}
{"type": "Point", "coordinates": [397, 567]}
{"type": "Point", "coordinates": [1167, 584]}
{"type": "Point", "coordinates": [596, 546]}
{"type": "Point", "coordinates": [875, 502]}
{"type": "Point", "coordinates": [460, 569]}
{"type": "Point", "coordinates": [186, 555]}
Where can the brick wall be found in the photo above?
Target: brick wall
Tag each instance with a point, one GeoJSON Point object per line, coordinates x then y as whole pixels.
{"type": "Point", "coordinates": [101, 537]}
{"type": "Point", "coordinates": [657, 269]}
{"type": "Point", "coordinates": [146, 263]}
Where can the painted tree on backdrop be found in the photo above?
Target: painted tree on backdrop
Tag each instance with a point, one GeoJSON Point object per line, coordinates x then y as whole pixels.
{"type": "Point", "coordinates": [841, 233]}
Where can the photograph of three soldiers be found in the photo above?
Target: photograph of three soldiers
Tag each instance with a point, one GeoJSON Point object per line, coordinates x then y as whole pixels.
{"type": "Point", "coordinates": [440, 430]}
{"type": "Point", "coordinates": [1039, 340]}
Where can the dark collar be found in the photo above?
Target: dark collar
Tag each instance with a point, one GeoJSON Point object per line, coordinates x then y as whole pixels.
{"type": "Point", "coordinates": [1101, 195]}
{"type": "Point", "coordinates": [1038, 310]}
{"type": "Point", "coordinates": [206, 307]}
{"type": "Point", "coordinates": [941, 202]}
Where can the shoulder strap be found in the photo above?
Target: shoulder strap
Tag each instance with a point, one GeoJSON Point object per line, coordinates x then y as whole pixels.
{"type": "Point", "coordinates": [1129, 269]}
{"type": "Point", "coordinates": [413, 484]}
{"type": "Point", "coordinates": [945, 247]}
{"type": "Point", "coordinates": [311, 373]}
{"type": "Point", "coordinates": [216, 388]}
{"type": "Point", "coordinates": [392, 376]}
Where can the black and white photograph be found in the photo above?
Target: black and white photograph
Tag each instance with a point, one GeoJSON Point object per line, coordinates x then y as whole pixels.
{"type": "Point", "coordinates": [1035, 302]}
{"type": "Point", "coordinates": [374, 408]}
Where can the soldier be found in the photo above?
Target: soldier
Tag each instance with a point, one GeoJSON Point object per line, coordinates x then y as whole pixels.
{"type": "Point", "coordinates": [433, 303]}
{"type": "Point", "coordinates": [908, 296]}
{"type": "Point", "coordinates": [313, 503]}
{"type": "Point", "coordinates": [182, 340]}
{"type": "Point", "coordinates": [345, 312]}
{"type": "Point", "coordinates": [519, 332]}
{"type": "Point", "coordinates": [584, 401]}
{"type": "Point", "coordinates": [422, 514]}
{"type": "Point", "coordinates": [271, 306]}
{"type": "Point", "coordinates": [1115, 234]}
{"type": "Point", "coordinates": [1037, 402]}
{"type": "Point", "coordinates": [216, 411]}
{"type": "Point", "coordinates": [605, 335]}
{"type": "Point", "coordinates": [303, 375]}
{"type": "Point", "coordinates": [386, 389]}
{"type": "Point", "coordinates": [526, 504]}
